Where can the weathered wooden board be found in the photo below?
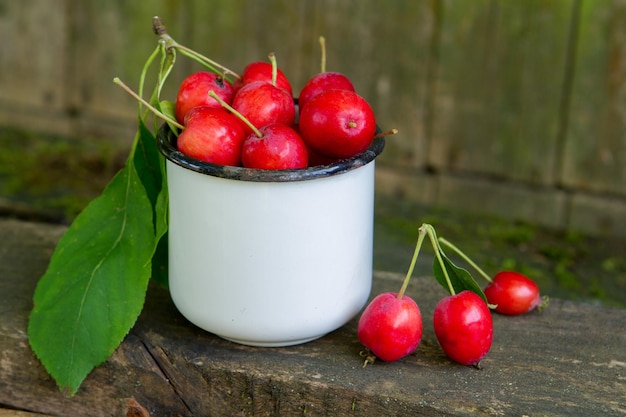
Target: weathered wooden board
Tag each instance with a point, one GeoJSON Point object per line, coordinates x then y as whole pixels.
{"type": "Point", "coordinates": [529, 93]}
{"type": "Point", "coordinates": [499, 87]}
{"type": "Point", "coordinates": [34, 60]}
{"type": "Point", "coordinates": [595, 152]}
{"type": "Point", "coordinates": [568, 360]}
{"type": "Point", "coordinates": [113, 40]}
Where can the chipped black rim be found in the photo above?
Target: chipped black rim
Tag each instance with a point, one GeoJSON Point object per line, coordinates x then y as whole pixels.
{"type": "Point", "coordinates": [166, 141]}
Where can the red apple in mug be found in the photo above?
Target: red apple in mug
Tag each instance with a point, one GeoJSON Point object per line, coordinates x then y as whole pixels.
{"type": "Point", "coordinates": [338, 124]}
{"type": "Point", "coordinates": [262, 103]}
{"type": "Point", "coordinates": [212, 135]}
{"type": "Point", "coordinates": [262, 71]}
{"type": "Point", "coordinates": [274, 146]}
{"type": "Point", "coordinates": [194, 92]}
{"type": "Point", "coordinates": [321, 82]}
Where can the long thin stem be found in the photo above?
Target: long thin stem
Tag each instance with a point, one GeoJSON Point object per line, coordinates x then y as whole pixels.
{"type": "Point", "coordinates": [272, 58]}
{"type": "Point", "coordinates": [161, 31]}
{"type": "Point", "coordinates": [466, 258]}
{"type": "Point", "coordinates": [154, 110]}
{"type": "Point", "coordinates": [386, 133]}
{"type": "Point", "coordinates": [243, 118]}
{"type": "Point", "coordinates": [409, 273]}
{"type": "Point", "coordinates": [168, 59]}
{"type": "Point", "coordinates": [323, 50]}
{"type": "Point", "coordinates": [142, 77]}
{"type": "Point", "coordinates": [433, 240]}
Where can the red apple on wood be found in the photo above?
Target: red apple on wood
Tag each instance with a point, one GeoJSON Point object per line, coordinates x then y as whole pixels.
{"type": "Point", "coordinates": [391, 326]}
{"type": "Point", "coordinates": [464, 327]}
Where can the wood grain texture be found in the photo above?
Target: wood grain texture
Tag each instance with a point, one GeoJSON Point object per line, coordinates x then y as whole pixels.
{"type": "Point", "coordinates": [595, 150]}
{"type": "Point", "coordinates": [500, 81]}
{"type": "Point", "coordinates": [565, 361]}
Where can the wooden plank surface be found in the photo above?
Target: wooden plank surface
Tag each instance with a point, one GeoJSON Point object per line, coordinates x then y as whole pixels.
{"type": "Point", "coordinates": [568, 360]}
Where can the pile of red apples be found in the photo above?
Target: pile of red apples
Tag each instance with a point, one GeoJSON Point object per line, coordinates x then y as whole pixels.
{"type": "Point", "coordinates": [255, 122]}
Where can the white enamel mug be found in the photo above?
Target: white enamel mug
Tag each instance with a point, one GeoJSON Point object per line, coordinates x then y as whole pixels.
{"type": "Point", "coordinates": [269, 258]}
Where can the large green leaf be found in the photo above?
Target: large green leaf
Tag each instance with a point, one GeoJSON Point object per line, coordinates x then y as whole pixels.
{"type": "Point", "coordinates": [147, 161]}
{"type": "Point", "coordinates": [460, 278]}
{"type": "Point", "coordinates": [95, 285]}
{"type": "Point", "coordinates": [151, 168]}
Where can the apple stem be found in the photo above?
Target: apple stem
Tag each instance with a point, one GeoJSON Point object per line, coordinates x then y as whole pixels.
{"type": "Point", "coordinates": [466, 258]}
{"type": "Point", "coordinates": [161, 31]}
{"type": "Point", "coordinates": [323, 48]}
{"type": "Point", "coordinates": [153, 109]}
{"type": "Point", "coordinates": [418, 246]}
{"type": "Point", "coordinates": [236, 113]}
{"type": "Point", "coordinates": [387, 133]}
{"type": "Point", "coordinates": [272, 58]}
{"type": "Point", "coordinates": [433, 240]}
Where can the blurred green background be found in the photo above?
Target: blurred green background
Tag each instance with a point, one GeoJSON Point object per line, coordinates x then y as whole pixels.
{"type": "Point", "coordinates": [512, 114]}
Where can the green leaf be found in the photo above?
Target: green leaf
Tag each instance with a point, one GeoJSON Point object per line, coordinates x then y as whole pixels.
{"type": "Point", "coordinates": [147, 161]}
{"type": "Point", "coordinates": [95, 285]}
{"type": "Point", "coordinates": [151, 168]}
{"type": "Point", "coordinates": [169, 109]}
{"type": "Point", "coordinates": [460, 278]}
{"type": "Point", "coordinates": [160, 262]}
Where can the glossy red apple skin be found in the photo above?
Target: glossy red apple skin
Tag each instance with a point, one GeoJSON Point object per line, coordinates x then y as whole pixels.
{"type": "Point", "coordinates": [281, 147]}
{"type": "Point", "coordinates": [212, 135]}
{"type": "Point", "coordinates": [263, 104]}
{"type": "Point", "coordinates": [262, 71]}
{"type": "Point", "coordinates": [194, 92]}
{"type": "Point", "coordinates": [464, 327]}
{"type": "Point", "coordinates": [337, 124]}
{"type": "Point", "coordinates": [321, 82]}
{"type": "Point", "coordinates": [389, 327]}
{"type": "Point", "coordinates": [513, 293]}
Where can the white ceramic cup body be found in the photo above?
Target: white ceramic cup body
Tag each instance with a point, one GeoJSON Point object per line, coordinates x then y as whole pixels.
{"type": "Point", "coordinates": [270, 263]}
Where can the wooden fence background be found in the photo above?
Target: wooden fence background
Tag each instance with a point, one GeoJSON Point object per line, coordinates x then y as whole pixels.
{"type": "Point", "coordinates": [511, 107]}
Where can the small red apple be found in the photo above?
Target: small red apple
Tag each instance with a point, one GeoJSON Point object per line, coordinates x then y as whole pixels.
{"type": "Point", "coordinates": [194, 92]}
{"type": "Point", "coordinates": [262, 103]}
{"type": "Point", "coordinates": [338, 124]}
{"type": "Point", "coordinates": [277, 147]}
{"type": "Point", "coordinates": [390, 327]}
{"type": "Point", "coordinates": [463, 326]}
{"type": "Point", "coordinates": [513, 293]}
{"type": "Point", "coordinates": [212, 135]}
{"type": "Point", "coordinates": [262, 71]}
{"type": "Point", "coordinates": [321, 82]}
